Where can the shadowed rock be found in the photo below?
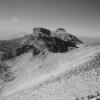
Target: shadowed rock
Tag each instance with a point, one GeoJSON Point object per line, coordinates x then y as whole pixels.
{"type": "Point", "coordinates": [57, 45]}
{"type": "Point", "coordinates": [62, 34]}
{"type": "Point", "coordinates": [39, 40]}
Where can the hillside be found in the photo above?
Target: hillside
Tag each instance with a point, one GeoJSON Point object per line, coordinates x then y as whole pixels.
{"type": "Point", "coordinates": [46, 73]}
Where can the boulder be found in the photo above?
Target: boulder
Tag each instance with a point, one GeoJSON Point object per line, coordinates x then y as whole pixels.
{"type": "Point", "coordinates": [60, 41]}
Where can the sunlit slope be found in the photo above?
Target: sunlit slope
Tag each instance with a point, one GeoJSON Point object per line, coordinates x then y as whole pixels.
{"type": "Point", "coordinates": [61, 76]}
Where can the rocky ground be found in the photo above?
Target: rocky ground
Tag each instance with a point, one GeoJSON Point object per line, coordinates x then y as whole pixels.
{"type": "Point", "coordinates": [43, 71]}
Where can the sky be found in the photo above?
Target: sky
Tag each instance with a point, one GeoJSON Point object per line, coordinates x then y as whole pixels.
{"type": "Point", "coordinates": [78, 17]}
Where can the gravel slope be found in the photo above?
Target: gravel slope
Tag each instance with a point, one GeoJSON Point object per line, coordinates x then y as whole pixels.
{"type": "Point", "coordinates": [63, 76]}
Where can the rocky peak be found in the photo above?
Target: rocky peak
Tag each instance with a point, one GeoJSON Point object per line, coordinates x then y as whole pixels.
{"type": "Point", "coordinates": [60, 30]}
{"type": "Point", "coordinates": [62, 34]}
{"type": "Point", "coordinates": [40, 39]}
{"type": "Point", "coordinates": [38, 31]}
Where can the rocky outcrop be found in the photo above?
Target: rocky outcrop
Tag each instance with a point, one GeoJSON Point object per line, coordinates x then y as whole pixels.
{"type": "Point", "coordinates": [38, 31]}
{"type": "Point", "coordinates": [62, 34]}
{"type": "Point", "coordinates": [15, 47]}
{"type": "Point", "coordinates": [41, 38]}
{"type": "Point", "coordinates": [58, 41]}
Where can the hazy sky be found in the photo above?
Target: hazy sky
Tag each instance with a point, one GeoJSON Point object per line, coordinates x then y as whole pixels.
{"type": "Point", "coordinates": [79, 17]}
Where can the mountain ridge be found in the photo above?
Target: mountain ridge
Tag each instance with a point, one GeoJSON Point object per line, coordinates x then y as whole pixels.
{"type": "Point", "coordinates": [54, 43]}
{"type": "Point", "coordinates": [52, 67]}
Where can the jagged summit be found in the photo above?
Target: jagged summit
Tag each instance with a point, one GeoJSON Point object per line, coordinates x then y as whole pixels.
{"type": "Point", "coordinates": [62, 34]}
{"type": "Point", "coordinates": [41, 31]}
{"type": "Point", "coordinates": [40, 39]}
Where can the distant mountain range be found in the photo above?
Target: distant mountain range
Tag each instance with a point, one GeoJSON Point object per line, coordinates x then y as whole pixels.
{"type": "Point", "coordinates": [8, 34]}
{"type": "Point", "coordinates": [91, 40]}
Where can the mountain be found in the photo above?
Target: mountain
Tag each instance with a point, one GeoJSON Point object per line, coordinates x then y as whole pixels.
{"type": "Point", "coordinates": [46, 72]}
{"type": "Point", "coordinates": [39, 40]}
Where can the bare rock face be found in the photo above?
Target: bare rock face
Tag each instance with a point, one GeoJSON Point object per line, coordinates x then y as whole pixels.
{"type": "Point", "coordinates": [39, 40]}
{"type": "Point", "coordinates": [62, 34]}
{"type": "Point", "coordinates": [59, 41]}
{"type": "Point", "coordinates": [38, 31]}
